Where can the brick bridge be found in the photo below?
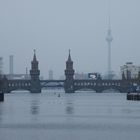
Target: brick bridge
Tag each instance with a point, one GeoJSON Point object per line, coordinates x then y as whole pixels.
{"type": "Point", "coordinates": [70, 85]}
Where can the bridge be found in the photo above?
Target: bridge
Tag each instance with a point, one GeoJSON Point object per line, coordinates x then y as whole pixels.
{"type": "Point", "coordinates": [12, 85]}
{"type": "Point", "coordinates": [103, 85]}
{"type": "Point", "coordinates": [70, 85]}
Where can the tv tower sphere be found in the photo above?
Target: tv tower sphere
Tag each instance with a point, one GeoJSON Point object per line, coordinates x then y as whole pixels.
{"type": "Point", "coordinates": [109, 37]}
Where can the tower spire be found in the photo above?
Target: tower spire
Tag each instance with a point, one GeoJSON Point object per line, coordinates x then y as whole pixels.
{"type": "Point", "coordinates": [109, 12]}
{"type": "Point", "coordinates": [69, 57]}
{"type": "Point", "coordinates": [34, 58]}
{"type": "Point", "coordinates": [109, 39]}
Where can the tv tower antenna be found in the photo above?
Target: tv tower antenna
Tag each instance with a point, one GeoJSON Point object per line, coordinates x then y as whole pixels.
{"type": "Point", "coordinates": [109, 39]}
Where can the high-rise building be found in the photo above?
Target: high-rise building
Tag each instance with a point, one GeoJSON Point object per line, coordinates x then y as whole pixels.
{"type": "Point", "coordinates": [130, 71]}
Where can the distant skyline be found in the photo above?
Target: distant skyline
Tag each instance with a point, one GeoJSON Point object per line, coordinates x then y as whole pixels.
{"type": "Point", "coordinates": [54, 27]}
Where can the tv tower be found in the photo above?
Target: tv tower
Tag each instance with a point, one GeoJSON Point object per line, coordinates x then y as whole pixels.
{"type": "Point", "coordinates": [109, 39]}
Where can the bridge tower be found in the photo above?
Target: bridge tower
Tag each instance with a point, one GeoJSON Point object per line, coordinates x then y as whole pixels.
{"type": "Point", "coordinates": [34, 73]}
{"type": "Point", "coordinates": [69, 73]}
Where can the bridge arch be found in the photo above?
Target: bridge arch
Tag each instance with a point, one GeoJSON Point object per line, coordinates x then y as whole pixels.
{"type": "Point", "coordinates": [113, 88]}
{"type": "Point", "coordinates": [19, 90]}
{"type": "Point", "coordinates": [14, 85]}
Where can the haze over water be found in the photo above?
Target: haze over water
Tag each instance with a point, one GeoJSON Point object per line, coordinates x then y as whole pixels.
{"type": "Point", "coordinates": [53, 27]}
{"type": "Point", "coordinates": [79, 116]}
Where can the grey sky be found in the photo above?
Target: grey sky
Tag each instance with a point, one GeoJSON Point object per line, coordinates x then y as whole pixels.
{"type": "Point", "coordinates": [53, 26]}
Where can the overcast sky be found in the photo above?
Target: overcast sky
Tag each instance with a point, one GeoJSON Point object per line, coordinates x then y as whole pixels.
{"type": "Point", "coordinates": [54, 26]}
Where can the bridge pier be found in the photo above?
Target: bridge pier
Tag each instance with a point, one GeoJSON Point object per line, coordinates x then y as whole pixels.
{"type": "Point", "coordinates": [1, 96]}
{"type": "Point", "coordinates": [1, 90]}
{"type": "Point", "coordinates": [69, 87]}
{"type": "Point", "coordinates": [35, 86]}
{"type": "Point", "coordinates": [5, 85]}
{"type": "Point", "coordinates": [98, 91]}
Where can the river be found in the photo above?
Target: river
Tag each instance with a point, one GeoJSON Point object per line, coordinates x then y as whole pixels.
{"type": "Point", "coordinates": [78, 116]}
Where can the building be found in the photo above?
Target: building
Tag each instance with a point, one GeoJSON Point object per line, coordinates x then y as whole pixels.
{"type": "Point", "coordinates": [130, 71]}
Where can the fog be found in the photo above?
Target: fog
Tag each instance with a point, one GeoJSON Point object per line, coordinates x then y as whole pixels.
{"type": "Point", "coordinates": [54, 26]}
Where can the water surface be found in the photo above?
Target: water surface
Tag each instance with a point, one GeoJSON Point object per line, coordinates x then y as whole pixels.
{"type": "Point", "coordinates": [79, 116]}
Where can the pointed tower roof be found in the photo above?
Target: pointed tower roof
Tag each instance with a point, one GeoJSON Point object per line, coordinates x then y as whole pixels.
{"type": "Point", "coordinates": [34, 58]}
{"type": "Point", "coordinates": [69, 57]}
